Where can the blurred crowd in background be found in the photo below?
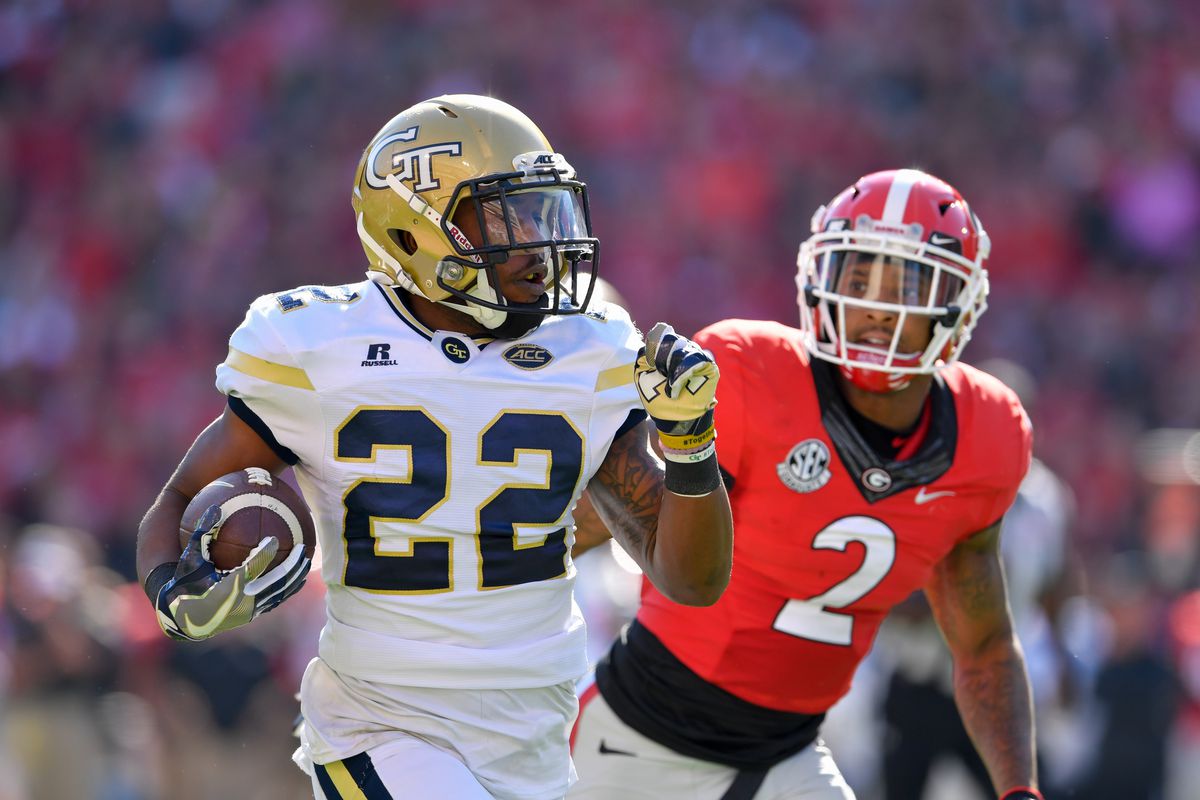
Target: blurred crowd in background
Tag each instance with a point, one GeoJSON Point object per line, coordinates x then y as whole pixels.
{"type": "Point", "coordinates": [166, 161]}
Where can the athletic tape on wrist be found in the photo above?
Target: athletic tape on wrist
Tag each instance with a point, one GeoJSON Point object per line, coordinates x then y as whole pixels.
{"type": "Point", "coordinates": [691, 447]}
{"type": "Point", "coordinates": [693, 479]}
{"type": "Point", "coordinates": [688, 441]}
{"type": "Point", "coordinates": [689, 456]}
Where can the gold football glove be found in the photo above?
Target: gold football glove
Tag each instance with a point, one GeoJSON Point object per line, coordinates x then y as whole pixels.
{"type": "Point", "coordinates": [677, 383]}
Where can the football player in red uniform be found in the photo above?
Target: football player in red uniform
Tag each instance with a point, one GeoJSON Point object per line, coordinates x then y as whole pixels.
{"type": "Point", "coordinates": [864, 462]}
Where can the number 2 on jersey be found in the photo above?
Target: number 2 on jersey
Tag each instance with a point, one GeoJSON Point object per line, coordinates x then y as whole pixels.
{"type": "Point", "coordinates": [427, 566]}
{"type": "Point", "coordinates": [812, 618]}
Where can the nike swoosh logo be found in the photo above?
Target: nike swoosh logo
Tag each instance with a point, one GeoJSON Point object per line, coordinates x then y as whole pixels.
{"type": "Point", "coordinates": [605, 750]}
{"type": "Point", "coordinates": [204, 631]}
{"type": "Point", "coordinates": [940, 240]}
{"type": "Point", "coordinates": [924, 497]}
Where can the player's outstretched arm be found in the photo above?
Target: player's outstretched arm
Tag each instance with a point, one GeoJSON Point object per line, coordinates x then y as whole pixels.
{"type": "Point", "coordinates": [673, 518]}
{"type": "Point", "coordinates": [192, 598]}
{"type": "Point", "coordinates": [970, 603]}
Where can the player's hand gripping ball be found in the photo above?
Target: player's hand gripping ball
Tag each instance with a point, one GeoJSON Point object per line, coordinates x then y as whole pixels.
{"type": "Point", "coordinates": [249, 540]}
{"type": "Point", "coordinates": [254, 505]}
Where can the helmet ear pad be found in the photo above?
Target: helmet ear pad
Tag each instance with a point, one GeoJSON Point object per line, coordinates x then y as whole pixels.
{"type": "Point", "coordinates": [403, 239]}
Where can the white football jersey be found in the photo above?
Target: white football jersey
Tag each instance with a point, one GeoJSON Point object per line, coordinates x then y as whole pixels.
{"type": "Point", "coordinates": [442, 472]}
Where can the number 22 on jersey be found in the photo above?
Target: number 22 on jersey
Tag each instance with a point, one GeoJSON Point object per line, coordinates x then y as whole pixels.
{"type": "Point", "coordinates": [812, 618]}
{"type": "Point", "coordinates": [427, 566]}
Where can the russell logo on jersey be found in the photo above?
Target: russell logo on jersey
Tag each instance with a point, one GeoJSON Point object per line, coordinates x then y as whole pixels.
{"type": "Point", "coordinates": [379, 355]}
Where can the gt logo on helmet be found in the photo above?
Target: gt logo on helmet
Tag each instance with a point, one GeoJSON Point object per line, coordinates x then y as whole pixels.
{"type": "Point", "coordinates": [414, 165]}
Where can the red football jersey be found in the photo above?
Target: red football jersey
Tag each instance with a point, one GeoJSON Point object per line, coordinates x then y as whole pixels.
{"type": "Point", "coordinates": [828, 536]}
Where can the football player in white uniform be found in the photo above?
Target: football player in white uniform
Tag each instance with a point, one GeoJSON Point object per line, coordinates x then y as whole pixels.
{"type": "Point", "coordinates": [443, 418]}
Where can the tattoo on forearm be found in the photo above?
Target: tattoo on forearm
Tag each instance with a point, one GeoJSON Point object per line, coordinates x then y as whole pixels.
{"type": "Point", "coordinates": [976, 607]}
{"type": "Point", "coordinates": [969, 596]}
{"type": "Point", "coordinates": [994, 700]}
{"type": "Point", "coordinates": [990, 684]}
{"type": "Point", "coordinates": [632, 492]}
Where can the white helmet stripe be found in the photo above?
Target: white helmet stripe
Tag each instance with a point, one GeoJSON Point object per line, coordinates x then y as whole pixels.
{"type": "Point", "coordinates": [376, 248]}
{"type": "Point", "coordinates": [414, 202]}
{"type": "Point", "coordinates": [897, 199]}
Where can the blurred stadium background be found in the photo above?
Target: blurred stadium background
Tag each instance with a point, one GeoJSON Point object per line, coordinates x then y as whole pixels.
{"type": "Point", "coordinates": [165, 161]}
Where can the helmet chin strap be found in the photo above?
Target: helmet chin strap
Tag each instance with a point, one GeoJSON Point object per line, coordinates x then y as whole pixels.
{"type": "Point", "coordinates": [876, 381]}
{"type": "Point", "coordinates": [501, 323]}
{"type": "Point", "coordinates": [489, 318]}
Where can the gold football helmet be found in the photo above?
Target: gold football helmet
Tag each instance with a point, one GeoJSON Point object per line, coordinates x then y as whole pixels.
{"type": "Point", "coordinates": [433, 157]}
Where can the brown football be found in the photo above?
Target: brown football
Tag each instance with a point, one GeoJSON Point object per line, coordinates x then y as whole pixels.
{"type": "Point", "coordinates": [254, 504]}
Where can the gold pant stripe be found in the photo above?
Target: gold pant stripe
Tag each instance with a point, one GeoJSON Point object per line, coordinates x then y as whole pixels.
{"type": "Point", "coordinates": [345, 784]}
